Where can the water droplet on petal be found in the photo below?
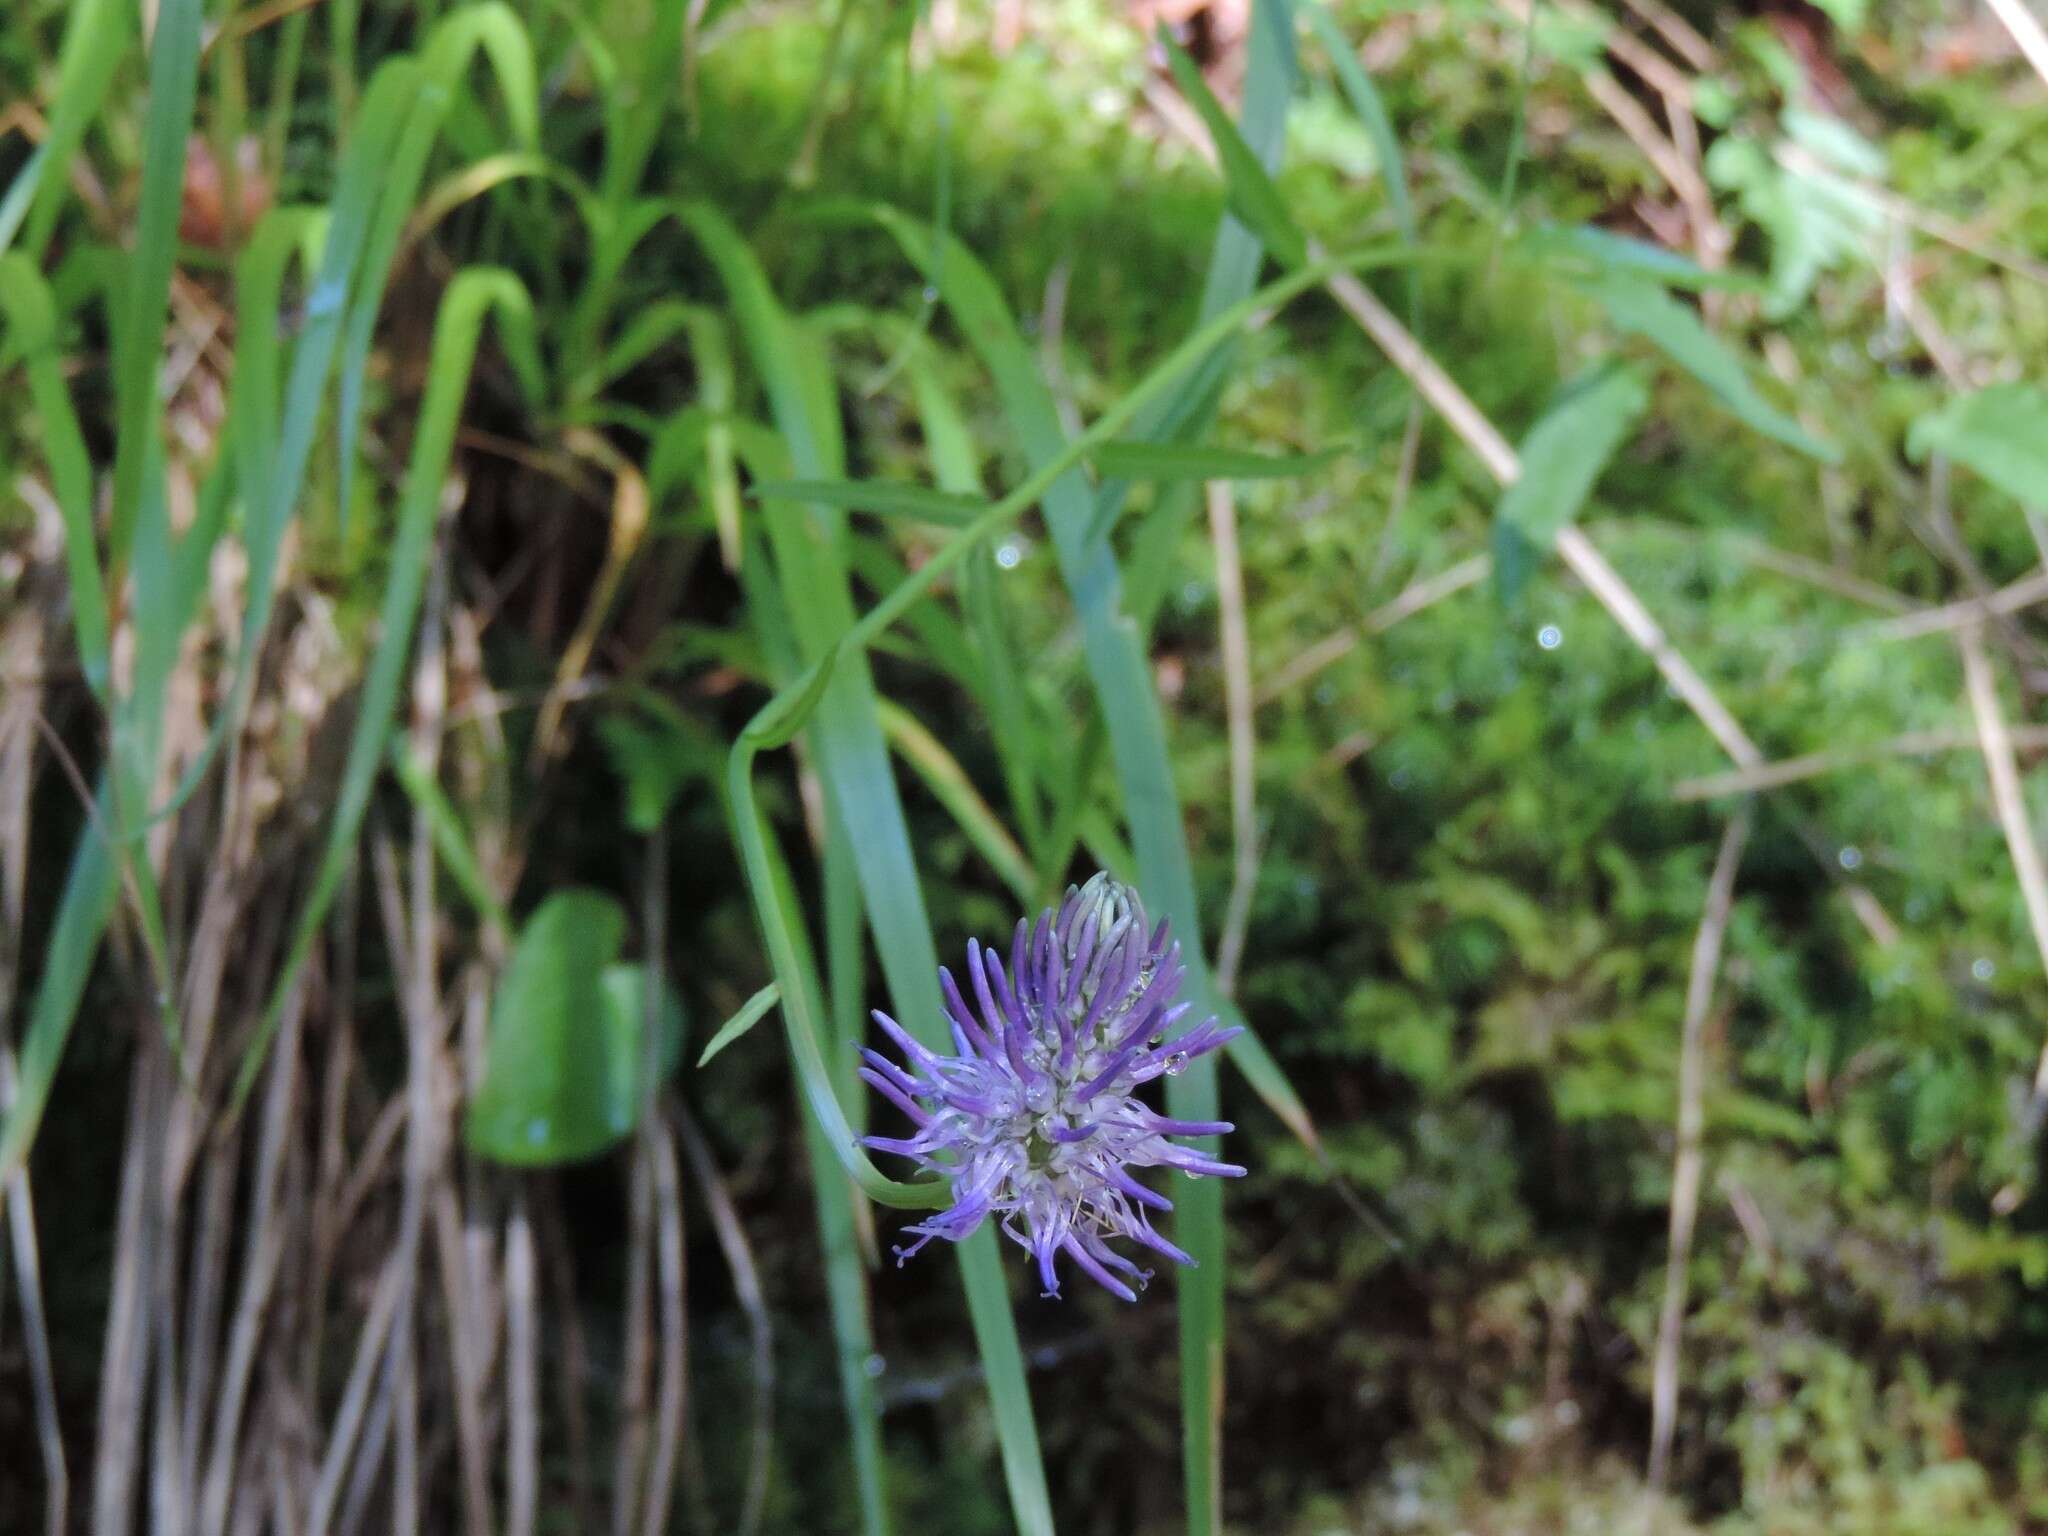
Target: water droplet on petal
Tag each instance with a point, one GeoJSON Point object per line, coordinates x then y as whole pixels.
{"type": "Point", "coordinates": [1158, 1039]}
{"type": "Point", "coordinates": [1177, 1063]}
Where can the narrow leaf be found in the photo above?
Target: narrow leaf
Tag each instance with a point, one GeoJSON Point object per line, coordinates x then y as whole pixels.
{"type": "Point", "coordinates": [1562, 456]}
{"type": "Point", "coordinates": [1636, 304]}
{"type": "Point", "coordinates": [1372, 112]}
{"type": "Point", "coordinates": [751, 1013]}
{"type": "Point", "coordinates": [1253, 197]}
{"type": "Point", "coordinates": [1138, 460]}
{"type": "Point", "coordinates": [881, 496]}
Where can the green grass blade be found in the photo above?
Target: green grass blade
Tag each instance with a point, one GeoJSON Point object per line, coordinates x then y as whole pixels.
{"type": "Point", "coordinates": [92, 882]}
{"type": "Point", "coordinates": [1365, 101]}
{"type": "Point", "coordinates": [1253, 196]}
{"type": "Point", "coordinates": [493, 29]}
{"type": "Point", "coordinates": [751, 1012]}
{"type": "Point", "coordinates": [95, 42]}
{"type": "Point", "coordinates": [642, 101]}
{"type": "Point", "coordinates": [470, 298]}
{"type": "Point", "coordinates": [853, 756]}
{"type": "Point", "coordinates": [1122, 678]}
{"type": "Point", "coordinates": [83, 911]}
{"type": "Point", "coordinates": [31, 318]}
{"type": "Point", "coordinates": [451, 839]}
{"type": "Point", "coordinates": [885, 497]}
{"type": "Point", "coordinates": [1140, 460]}
{"type": "Point", "coordinates": [1234, 259]}
{"type": "Point", "coordinates": [1003, 693]}
{"type": "Point", "coordinates": [173, 89]}
{"type": "Point", "coordinates": [802, 1016]}
{"type": "Point", "coordinates": [846, 1285]}
{"type": "Point", "coordinates": [1110, 641]}
{"type": "Point", "coordinates": [273, 473]}
{"type": "Point", "coordinates": [950, 786]}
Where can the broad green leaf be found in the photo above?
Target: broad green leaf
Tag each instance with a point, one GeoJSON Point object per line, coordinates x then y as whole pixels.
{"type": "Point", "coordinates": [1139, 460]}
{"type": "Point", "coordinates": [2000, 432]}
{"type": "Point", "coordinates": [625, 1022]}
{"type": "Point", "coordinates": [552, 1062]}
{"type": "Point", "coordinates": [1639, 305]}
{"type": "Point", "coordinates": [1562, 456]}
{"type": "Point", "coordinates": [751, 1013]}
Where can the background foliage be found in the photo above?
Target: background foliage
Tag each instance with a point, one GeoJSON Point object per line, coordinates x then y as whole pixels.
{"type": "Point", "coordinates": [416, 444]}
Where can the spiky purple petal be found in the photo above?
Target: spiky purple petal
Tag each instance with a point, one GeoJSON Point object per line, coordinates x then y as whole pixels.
{"type": "Point", "coordinates": [1034, 1119]}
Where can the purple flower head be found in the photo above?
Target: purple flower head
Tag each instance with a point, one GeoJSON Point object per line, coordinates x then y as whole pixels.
{"type": "Point", "coordinates": [1035, 1117]}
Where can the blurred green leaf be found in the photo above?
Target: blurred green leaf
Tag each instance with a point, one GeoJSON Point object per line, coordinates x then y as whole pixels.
{"type": "Point", "coordinates": [751, 1013]}
{"type": "Point", "coordinates": [1562, 457]}
{"type": "Point", "coordinates": [655, 756]}
{"type": "Point", "coordinates": [2000, 432]}
{"type": "Point", "coordinates": [1639, 305]}
{"type": "Point", "coordinates": [558, 1055]}
{"type": "Point", "coordinates": [1372, 111]}
{"type": "Point", "coordinates": [894, 500]}
{"type": "Point", "coordinates": [1253, 197]}
{"type": "Point", "coordinates": [1134, 460]}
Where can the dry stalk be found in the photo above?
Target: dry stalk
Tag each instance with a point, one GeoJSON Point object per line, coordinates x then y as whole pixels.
{"type": "Point", "coordinates": [630, 512]}
{"type": "Point", "coordinates": [746, 1284]}
{"type": "Point", "coordinates": [1678, 34]}
{"type": "Point", "coordinates": [1685, 1173]}
{"type": "Point", "coordinates": [2026, 32]}
{"type": "Point", "coordinates": [1969, 612]}
{"type": "Point", "coordinates": [21, 658]}
{"type": "Point", "coordinates": [125, 1356]}
{"type": "Point", "coordinates": [1791, 770]}
{"type": "Point", "coordinates": [522, 1374]}
{"type": "Point", "coordinates": [636, 1401]}
{"type": "Point", "coordinates": [28, 1274]}
{"type": "Point", "coordinates": [1410, 601]}
{"type": "Point", "coordinates": [2009, 797]}
{"type": "Point", "coordinates": [668, 1418]}
{"type": "Point", "coordinates": [264, 1248]}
